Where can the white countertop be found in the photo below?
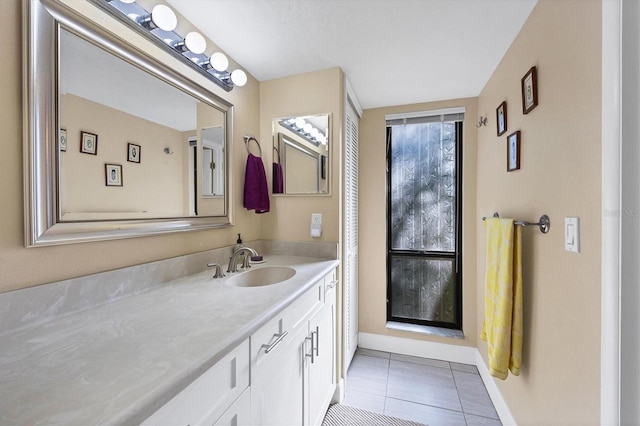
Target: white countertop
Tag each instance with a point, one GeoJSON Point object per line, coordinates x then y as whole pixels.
{"type": "Point", "coordinates": [118, 363]}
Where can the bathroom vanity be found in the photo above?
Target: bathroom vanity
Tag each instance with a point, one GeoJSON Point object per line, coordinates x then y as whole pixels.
{"type": "Point", "coordinates": [193, 350]}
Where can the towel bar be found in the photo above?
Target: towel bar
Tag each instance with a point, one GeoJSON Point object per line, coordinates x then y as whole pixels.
{"type": "Point", "coordinates": [248, 139]}
{"type": "Point", "coordinates": [544, 223]}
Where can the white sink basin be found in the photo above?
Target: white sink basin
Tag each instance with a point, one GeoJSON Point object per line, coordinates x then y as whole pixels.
{"type": "Point", "coordinates": [259, 277]}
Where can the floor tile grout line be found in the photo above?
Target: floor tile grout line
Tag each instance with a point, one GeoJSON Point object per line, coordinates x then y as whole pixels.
{"type": "Point", "coordinates": [429, 405]}
{"type": "Point", "coordinates": [386, 385]}
{"type": "Point", "coordinates": [455, 382]}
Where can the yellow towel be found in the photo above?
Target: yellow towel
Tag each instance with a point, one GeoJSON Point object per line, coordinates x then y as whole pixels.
{"type": "Point", "coordinates": [502, 326]}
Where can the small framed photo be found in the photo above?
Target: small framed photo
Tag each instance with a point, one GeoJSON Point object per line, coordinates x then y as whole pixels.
{"type": "Point", "coordinates": [529, 85]}
{"type": "Point", "coordinates": [513, 151]}
{"type": "Point", "coordinates": [62, 140]}
{"type": "Point", "coordinates": [133, 152]}
{"type": "Point", "coordinates": [501, 118]}
{"type": "Point", "coordinates": [88, 143]}
{"type": "Point", "coordinates": [113, 174]}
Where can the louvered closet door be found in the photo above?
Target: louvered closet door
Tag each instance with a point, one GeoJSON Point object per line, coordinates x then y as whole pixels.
{"type": "Point", "coordinates": [350, 255]}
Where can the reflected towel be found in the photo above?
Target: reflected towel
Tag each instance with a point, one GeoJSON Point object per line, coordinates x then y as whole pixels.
{"type": "Point", "coordinates": [256, 191]}
{"type": "Point", "coordinates": [502, 326]}
{"type": "Point", "coordinates": [278, 179]}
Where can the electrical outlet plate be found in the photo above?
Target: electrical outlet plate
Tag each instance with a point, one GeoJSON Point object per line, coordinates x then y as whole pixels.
{"type": "Point", "coordinates": [316, 219]}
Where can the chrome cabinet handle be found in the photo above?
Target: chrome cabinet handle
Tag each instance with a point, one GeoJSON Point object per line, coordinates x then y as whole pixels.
{"type": "Point", "coordinates": [331, 285]}
{"type": "Point", "coordinates": [268, 347]}
{"type": "Point", "coordinates": [317, 340]}
{"type": "Point", "coordinates": [312, 354]}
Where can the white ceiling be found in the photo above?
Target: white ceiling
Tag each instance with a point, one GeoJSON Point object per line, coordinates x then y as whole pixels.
{"type": "Point", "coordinates": [394, 52]}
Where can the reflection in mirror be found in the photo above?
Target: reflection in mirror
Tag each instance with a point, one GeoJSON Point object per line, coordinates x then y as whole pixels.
{"type": "Point", "coordinates": [103, 95]}
{"type": "Point", "coordinates": [116, 141]}
{"type": "Point", "coordinates": [301, 153]}
{"type": "Point", "coordinates": [213, 162]}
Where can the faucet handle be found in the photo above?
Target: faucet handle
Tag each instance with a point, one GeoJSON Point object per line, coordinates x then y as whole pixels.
{"type": "Point", "coordinates": [218, 272]}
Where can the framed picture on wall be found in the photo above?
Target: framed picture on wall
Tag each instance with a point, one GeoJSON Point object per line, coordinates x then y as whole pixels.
{"type": "Point", "coordinates": [529, 85]}
{"type": "Point", "coordinates": [113, 174]}
{"type": "Point", "coordinates": [133, 152]}
{"type": "Point", "coordinates": [62, 140]}
{"type": "Point", "coordinates": [501, 118]}
{"type": "Point", "coordinates": [513, 151]}
{"type": "Point", "coordinates": [88, 143]}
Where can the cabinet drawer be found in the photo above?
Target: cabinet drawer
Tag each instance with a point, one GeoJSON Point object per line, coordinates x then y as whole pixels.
{"type": "Point", "coordinates": [204, 400]}
{"type": "Point", "coordinates": [304, 306]}
{"type": "Point", "coordinates": [330, 283]}
{"type": "Point", "coordinates": [269, 340]}
{"type": "Point", "coordinates": [239, 413]}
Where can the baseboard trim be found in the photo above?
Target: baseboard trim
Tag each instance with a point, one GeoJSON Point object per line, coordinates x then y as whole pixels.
{"type": "Point", "coordinates": [421, 348]}
{"type": "Point", "coordinates": [494, 393]}
{"type": "Point", "coordinates": [338, 394]}
{"type": "Point", "coordinates": [445, 352]}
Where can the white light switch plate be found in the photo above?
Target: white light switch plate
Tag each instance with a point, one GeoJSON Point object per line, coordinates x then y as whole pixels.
{"type": "Point", "coordinates": [572, 234]}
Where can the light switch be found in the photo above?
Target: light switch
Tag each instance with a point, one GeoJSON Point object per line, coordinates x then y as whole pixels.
{"type": "Point", "coordinates": [572, 234]}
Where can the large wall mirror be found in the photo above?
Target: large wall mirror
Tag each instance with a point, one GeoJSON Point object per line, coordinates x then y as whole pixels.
{"type": "Point", "coordinates": [301, 155]}
{"type": "Point", "coordinates": [117, 144]}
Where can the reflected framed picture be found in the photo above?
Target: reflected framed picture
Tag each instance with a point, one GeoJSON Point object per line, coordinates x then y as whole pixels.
{"type": "Point", "coordinates": [113, 174]}
{"type": "Point", "coordinates": [88, 143]}
{"type": "Point", "coordinates": [529, 85]}
{"type": "Point", "coordinates": [513, 151]}
{"type": "Point", "coordinates": [62, 140]}
{"type": "Point", "coordinates": [501, 118]}
{"type": "Point", "coordinates": [133, 152]}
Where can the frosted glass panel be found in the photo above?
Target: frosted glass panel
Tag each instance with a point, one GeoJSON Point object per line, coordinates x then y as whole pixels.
{"type": "Point", "coordinates": [423, 187]}
{"type": "Point", "coordinates": [423, 289]}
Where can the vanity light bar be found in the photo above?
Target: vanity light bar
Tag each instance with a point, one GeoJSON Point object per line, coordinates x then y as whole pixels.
{"type": "Point", "coordinates": [158, 26]}
{"type": "Point", "coordinates": [299, 126]}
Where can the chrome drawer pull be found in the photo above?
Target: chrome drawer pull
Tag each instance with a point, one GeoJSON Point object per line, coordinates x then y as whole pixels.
{"type": "Point", "coordinates": [269, 347]}
{"type": "Point", "coordinates": [317, 340]}
{"type": "Point", "coordinates": [312, 355]}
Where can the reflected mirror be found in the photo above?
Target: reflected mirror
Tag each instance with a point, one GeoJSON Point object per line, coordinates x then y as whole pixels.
{"type": "Point", "coordinates": [301, 155]}
{"type": "Point", "coordinates": [137, 148]}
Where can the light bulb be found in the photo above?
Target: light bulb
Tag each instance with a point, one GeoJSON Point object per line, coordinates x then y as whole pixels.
{"type": "Point", "coordinates": [219, 61]}
{"type": "Point", "coordinates": [195, 42]}
{"type": "Point", "coordinates": [307, 127]}
{"type": "Point", "coordinates": [239, 78]}
{"type": "Point", "coordinates": [314, 132]}
{"type": "Point", "coordinates": [300, 123]}
{"type": "Point", "coordinates": [164, 18]}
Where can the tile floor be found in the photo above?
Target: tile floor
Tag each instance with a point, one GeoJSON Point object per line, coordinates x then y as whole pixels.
{"type": "Point", "coordinates": [422, 390]}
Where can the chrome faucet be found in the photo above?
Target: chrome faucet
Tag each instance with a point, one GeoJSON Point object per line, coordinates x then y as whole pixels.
{"type": "Point", "coordinates": [233, 261]}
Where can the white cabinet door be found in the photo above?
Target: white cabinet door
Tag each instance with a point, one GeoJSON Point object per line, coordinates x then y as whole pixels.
{"type": "Point", "coordinates": [277, 390]}
{"type": "Point", "coordinates": [321, 384]}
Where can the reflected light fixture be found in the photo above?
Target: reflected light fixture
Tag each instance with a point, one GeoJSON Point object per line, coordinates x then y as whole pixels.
{"type": "Point", "coordinates": [159, 25]}
{"type": "Point", "coordinates": [304, 129]}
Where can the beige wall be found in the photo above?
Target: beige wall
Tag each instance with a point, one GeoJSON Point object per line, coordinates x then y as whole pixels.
{"type": "Point", "coordinates": [313, 93]}
{"type": "Point", "coordinates": [82, 176]}
{"type": "Point", "coordinates": [20, 267]}
{"type": "Point", "coordinates": [373, 221]}
{"type": "Point", "coordinates": [560, 175]}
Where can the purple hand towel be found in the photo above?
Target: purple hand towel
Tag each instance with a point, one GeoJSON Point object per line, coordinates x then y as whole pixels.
{"type": "Point", "coordinates": [256, 191]}
{"type": "Point", "coordinates": [278, 179]}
